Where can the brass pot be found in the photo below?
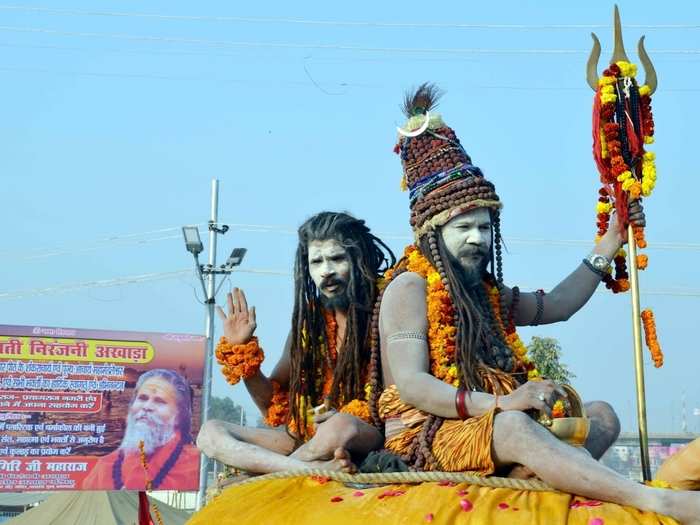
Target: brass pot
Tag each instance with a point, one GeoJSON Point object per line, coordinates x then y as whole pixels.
{"type": "Point", "coordinates": [574, 429]}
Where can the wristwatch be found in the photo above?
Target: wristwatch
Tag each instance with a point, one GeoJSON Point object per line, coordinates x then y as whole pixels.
{"type": "Point", "coordinates": [597, 263]}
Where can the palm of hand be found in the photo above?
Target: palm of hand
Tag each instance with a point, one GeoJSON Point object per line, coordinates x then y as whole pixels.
{"type": "Point", "coordinates": [239, 325]}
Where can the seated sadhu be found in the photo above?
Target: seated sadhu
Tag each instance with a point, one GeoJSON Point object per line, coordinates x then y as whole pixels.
{"type": "Point", "coordinates": [315, 397]}
{"type": "Point", "coordinates": [458, 379]}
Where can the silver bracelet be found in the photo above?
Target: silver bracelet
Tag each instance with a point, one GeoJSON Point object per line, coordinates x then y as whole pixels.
{"type": "Point", "coordinates": [406, 336]}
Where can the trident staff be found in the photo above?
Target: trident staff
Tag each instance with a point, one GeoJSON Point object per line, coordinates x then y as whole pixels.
{"type": "Point", "coordinates": [622, 125]}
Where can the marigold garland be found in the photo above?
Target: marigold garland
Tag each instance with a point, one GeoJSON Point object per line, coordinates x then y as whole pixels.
{"type": "Point", "coordinates": [239, 361]}
{"type": "Point", "coordinates": [441, 322]}
{"type": "Point", "coordinates": [651, 338]}
{"type": "Point", "coordinates": [627, 171]}
{"type": "Point", "coordinates": [279, 406]}
{"type": "Point", "coordinates": [149, 483]}
{"type": "Point", "coordinates": [278, 411]}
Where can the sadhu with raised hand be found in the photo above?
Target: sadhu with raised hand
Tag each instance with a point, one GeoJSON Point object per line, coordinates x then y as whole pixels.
{"type": "Point", "coordinates": [457, 375]}
{"type": "Point", "coordinates": [316, 396]}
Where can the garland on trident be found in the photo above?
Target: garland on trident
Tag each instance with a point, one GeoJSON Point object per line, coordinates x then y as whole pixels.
{"type": "Point", "coordinates": [623, 124]}
{"type": "Point", "coordinates": [618, 152]}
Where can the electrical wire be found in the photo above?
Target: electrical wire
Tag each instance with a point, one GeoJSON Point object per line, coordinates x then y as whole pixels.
{"type": "Point", "coordinates": [336, 47]}
{"type": "Point", "coordinates": [303, 21]}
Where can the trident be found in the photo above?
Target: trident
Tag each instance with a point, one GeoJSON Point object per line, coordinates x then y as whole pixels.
{"type": "Point", "coordinates": [650, 80]}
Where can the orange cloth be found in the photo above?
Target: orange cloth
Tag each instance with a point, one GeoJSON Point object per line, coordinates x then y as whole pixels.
{"type": "Point", "coordinates": [682, 469]}
{"type": "Point", "coordinates": [302, 500]}
{"type": "Point", "coordinates": [184, 475]}
{"type": "Point", "coordinates": [459, 446]}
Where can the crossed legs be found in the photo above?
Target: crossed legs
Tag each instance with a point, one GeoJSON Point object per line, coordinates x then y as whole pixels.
{"type": "Point", "coordinates": [264, 450]}
{"type": "Point", "coordinates": [519, 439]}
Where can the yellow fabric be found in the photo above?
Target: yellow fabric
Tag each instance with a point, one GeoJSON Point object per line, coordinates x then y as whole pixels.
{"type": "Point", "coordinates": [459, 446]}
{"type": "Point", "coordinates": [682, 469]}
{"type": "Point", "coordinates": [302, 500]}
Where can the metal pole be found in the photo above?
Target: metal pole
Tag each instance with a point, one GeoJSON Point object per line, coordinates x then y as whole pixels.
{"type": "Point", "coordinates": [209, 303]}
{"type": "Point", "coordinates": [638, 357]}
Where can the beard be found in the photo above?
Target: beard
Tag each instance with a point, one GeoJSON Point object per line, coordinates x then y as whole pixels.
{"type": "Point", "coordinates": [339, 299]}
{"type": "Point", "coordinates": [470, 275]}
{"type": "Point", "coordinates": [149, 428]}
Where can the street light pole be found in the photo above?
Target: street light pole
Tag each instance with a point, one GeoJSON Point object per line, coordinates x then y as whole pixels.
{"type": "Point", "coordinates": [209, 271]}
{"type": "Point", "coordinates": [209, 331]}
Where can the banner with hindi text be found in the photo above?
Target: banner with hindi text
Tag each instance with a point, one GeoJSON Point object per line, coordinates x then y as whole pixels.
{"type": "Point", "coordinates": [87, 409]}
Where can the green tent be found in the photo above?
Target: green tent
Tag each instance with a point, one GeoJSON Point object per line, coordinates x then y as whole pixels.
{"type": "Point", "coordinates": [95, 508]}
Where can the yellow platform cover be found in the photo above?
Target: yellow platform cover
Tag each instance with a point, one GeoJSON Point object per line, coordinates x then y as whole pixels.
{"type": "Point", "coordinates": [304, 500]}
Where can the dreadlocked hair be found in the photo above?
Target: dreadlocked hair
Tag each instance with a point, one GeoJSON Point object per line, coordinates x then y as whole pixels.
{"type": "Point", "coordinates": [369, 257]}
{"type": "Point", "coordinates": [479, 337]}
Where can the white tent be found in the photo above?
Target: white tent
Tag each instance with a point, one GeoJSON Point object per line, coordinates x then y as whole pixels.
{"type": "Point", "coordinates": [95, 508]}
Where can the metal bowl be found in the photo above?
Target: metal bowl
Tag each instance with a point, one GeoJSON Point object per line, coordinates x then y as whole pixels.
{"type": "Point", "coordinates": [574, 429]}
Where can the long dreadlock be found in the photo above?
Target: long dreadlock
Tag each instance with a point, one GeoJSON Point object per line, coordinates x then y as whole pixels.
{"type": "Point", "coordinates": [369, 257]}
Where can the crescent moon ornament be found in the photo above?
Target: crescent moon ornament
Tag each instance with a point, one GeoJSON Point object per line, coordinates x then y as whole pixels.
{"type": "Point", "coordinates": [417, 132]}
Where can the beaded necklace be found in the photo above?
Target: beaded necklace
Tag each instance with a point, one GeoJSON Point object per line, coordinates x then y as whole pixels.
{"type": "Point", "coordinates": [118, 480]}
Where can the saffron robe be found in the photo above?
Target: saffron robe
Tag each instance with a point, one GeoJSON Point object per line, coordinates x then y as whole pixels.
{"type": "Point", "coordinates": [184, 474]}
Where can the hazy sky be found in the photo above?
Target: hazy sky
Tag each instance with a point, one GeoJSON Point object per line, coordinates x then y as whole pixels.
{"type": "Point", "coordinates": [114, 123]}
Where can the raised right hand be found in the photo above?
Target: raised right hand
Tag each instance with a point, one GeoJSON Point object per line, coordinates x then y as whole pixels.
{"type": "Point", "coordinates": [239, 324]}
{"type": "Point", "coordinates": [540, 395]}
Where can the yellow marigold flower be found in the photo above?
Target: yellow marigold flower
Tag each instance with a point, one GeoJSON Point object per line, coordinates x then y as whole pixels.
{"type": "Point", "coordinates": [605, 81]}
{"type": "Point", "coordinates": [533, 374]}
{"type": "Point", "coordinates": [649, 155]}
{"type": "Point", "coordinates": [648, 139]}
{"type": "Point", "coordinates": [622, 177]}
{"type": "Point", "coordinates": [607, 98]}
{"type": "Point", "coordinates": [627, 184]}
{"type": "Point", "coordinates": [621, 253]}
{"type": "Point", "coordinates": [644, 90]}
{"type": "Point", "coordinates": [434, 278]}
{"type": "Point", "coordinates": [604, 207]}
{"type": "Point", "coordinates": [452, 371]}
{"type": "Point", "coordinates": [608, 88]}
{"type": "Point", "coordinates": [627, 69]}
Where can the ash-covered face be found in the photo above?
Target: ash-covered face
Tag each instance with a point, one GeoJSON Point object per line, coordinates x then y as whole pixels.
{"type": "Point", "coordinates": [329, 266]}
{"type": "Point", "coordinates": [467, 238]}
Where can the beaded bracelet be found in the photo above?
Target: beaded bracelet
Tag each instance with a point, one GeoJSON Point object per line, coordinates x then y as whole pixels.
{"type": "Point", "coordinates": [239, 361]}
{"type": "Point", "coordinates": [539, 295]}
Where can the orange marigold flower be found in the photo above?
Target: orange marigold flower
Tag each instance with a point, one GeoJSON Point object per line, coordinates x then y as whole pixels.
{"type": "Point", "coordinates": [642, 261]}
{"type": "Point", "coordinates": [239, 361]}
{"type": "Point", "coordinates": [651, 338]}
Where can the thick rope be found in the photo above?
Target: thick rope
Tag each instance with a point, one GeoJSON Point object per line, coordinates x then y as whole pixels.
{"type": "Point", "coordinates": [408, 477]}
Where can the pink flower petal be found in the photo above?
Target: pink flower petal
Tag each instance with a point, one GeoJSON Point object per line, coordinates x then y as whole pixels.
{"type": "Point", "coordinates": [466, 505]}
{"type": "Point", "coordinates": [446, 483]}
{"type": "Point", "coordinates": [358, 493]}
{"type": "Point", "coordinates": [429, 517]}
{"type": "Point", "coordinates": [336, 499]}
{"type": "Point", "coordinates": [596, 521]}
{"type": "Point", "coordinates": [503, 506]}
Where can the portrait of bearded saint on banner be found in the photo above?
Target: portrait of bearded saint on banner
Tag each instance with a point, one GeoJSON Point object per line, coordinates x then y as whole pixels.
{"type": "Point", "coordinates": [160, 417]}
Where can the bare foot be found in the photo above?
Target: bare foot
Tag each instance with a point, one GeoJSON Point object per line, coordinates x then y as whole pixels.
{"type": "Point", "coordinates": [521, 472]}
{"type": "Point", "coordinates": [684, 506]}
{"type": "Point", "coordinates": [341, 461]}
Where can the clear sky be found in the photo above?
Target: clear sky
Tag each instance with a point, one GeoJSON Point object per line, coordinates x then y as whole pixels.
{"type": "Point", "coordinates": [114, 123]}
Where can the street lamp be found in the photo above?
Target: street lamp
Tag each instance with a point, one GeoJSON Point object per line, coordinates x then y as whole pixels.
{"type": "Point", "coordinates": [193, 243]}
{"type": "Point", "coordinates": [192, 240]}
